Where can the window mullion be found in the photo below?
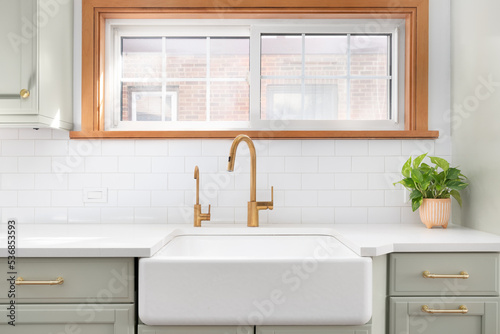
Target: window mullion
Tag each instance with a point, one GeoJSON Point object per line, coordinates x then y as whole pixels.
{"type": "Point", "coordinates": [348, 84]}
{"type": "Point", "coordinates": [303, 80]}
{"type": "Point", "coordinates": [255, 77]}
{"type": "Point", "coordinates": [207, 80]}
{"type": "Point", "coordinates": [163, 77]}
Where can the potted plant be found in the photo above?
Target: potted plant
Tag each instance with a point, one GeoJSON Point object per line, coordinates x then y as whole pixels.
{"type": "Point", "coordinates": [431, 188]}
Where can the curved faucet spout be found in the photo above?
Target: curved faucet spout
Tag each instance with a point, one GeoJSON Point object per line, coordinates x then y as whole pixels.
{"type": "Point", "coordinates": [253, 162]}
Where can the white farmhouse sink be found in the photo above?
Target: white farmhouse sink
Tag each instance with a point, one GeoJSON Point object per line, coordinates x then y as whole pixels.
{"type": "Point", "coordinates": [255, 280]}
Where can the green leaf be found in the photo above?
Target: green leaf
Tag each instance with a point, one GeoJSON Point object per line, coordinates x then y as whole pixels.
{"type": "Point", "coordinates": [415, 203]}
{"type": "Point", "coordinates": [416, 175]}
{"type": "Point", "coordinates": [407, 183]}
{"type": "Point", "coordinates": [418, 160]}
{"type": "Point", "coordinates": [406, 168]}
{"type": "Point", "coordinates": [453, 173]}
{"type": "Point", "coordinates": [456, 195]}
{"type": "Point", "coordinates": [426, 182]}
{"type": "Point", "coordinates": [415, 194]}
{"type": "Point", "coordinates": [425, 167]}
{"type": "Point", "coordinates": [441, 163]}
{"type": "Point", "coordinates": [456, 185]}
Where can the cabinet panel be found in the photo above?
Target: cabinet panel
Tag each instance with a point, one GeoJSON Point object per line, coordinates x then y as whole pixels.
{"type": "Point", "coordinates": [144, 329]}
{"type": "Point", "coordinates": [86, 280]}
{"type": "Point", "coordinates": [407, 316]}
{"type": "Point", "coordinates": [364, 329]}
{"type": "Point", "coordinates": [65, 318]}
{"type": "Point", "coordinates": [406, 279]}
{"type": "Point", "coordinates": [18, 41]}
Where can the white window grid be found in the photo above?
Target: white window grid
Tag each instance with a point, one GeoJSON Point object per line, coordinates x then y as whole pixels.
{"type": "Point", "coordinates": [206, 28]}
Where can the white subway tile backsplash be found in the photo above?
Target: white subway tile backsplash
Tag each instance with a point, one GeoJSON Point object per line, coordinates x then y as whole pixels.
{"type": "Point", "coordinates": [18, 148]}
{"type": "Point", "coordinates": [351, 215]}
{"type": "Point", "coordinates": [318, 215]}
{"type": "Point", "coordinates": [383, 180]}
{"type": "Point", "coordinates": [351, 181]}
{"type": "Point", "coordinates": [118, 148]}
{"type": "Point", "coordinates": [368, 164]}
{"type": "Point", "coordinates": [17, 181]}
{"type": "Point", "coordinates": [51, 215]}
{"type": "Point", "coordinates": [84, 215]}
{"type": "Point", "coordinates": [283, 181]}
{"type": "Point", "coordinates": [81, 180]}
{"type": "Point", "coordinates": [34, 164]}
{"type": "Point", "coordinates": [185, 148]}
{"type": "Point", "coordinates": [301, 164]}
{"type": "Point", "coordinates": [33, 198]}
{"type": "Point", "coordinates": [134, 164]}
{"type": "Point", "coordinates": [153, 148]}
{"type": "Point", "coordinates": [23, 215]}
{"type": "Point", "coordinates": [8, 198]}
{"type": "Point", "coordinates": [151, 181]}
{"type": "Point", "coordinates": [101, 164]}
{"type": "Point", "coordinates": [167, 164]}
{"type": "Point", "coordinates": [384, 215]}
{"type": "Point", "coordinates": [43, 175]}
{"type": "Point", "coordinates": [417, 147]}
{"type": "Point", "coordinates": [67, 198]}
{"type": "Point", "coordinates": [351, 148]}
{"type": "Point", "coordinates": [367, 198]}
{"type": "Point", "coordinates": [51, 181]}
{"type": "Point", "coordinates": [384, 147]}
{"type": "Point", "coordinates": [318, 181]}
{"type": "Point", "coordinates": [51, 147]}
{"type": "Point", "coordinates": [151, 215]}
{"type": "Point", "coordinates": [305, 198]}
{"type": "Point", "coordinates": [285, 148]}
{"type": "Point", "coordinates": [318, 148]}
{"type": "Point", "coordinates": [181, 181]}
{"type": "Point", "coordinates": [134, 198]}
{"type": "Point", "coordinates": [117, 215]}
{"type": "Point", "coordinates": [167, 198]}
{"type": "Point", "coordinates": [334, 198]}
{"type": "Point", "coordinates": [8, 164]}
{"type": "Point", "coordinates": [335, 164]}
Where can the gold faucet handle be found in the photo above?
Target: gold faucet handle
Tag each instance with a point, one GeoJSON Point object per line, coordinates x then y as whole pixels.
{"type": "Point", "coordinates": [267, 205]}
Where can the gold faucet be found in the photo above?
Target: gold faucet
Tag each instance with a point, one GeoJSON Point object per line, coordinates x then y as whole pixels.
{"type": "Point", "coordinates": [198, 216]}
{"type": "Point", "coordinates": [253, 205]}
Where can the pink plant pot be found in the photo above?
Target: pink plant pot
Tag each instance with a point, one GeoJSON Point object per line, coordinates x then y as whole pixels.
{"type": "Point", "coordinates": [435, 212]}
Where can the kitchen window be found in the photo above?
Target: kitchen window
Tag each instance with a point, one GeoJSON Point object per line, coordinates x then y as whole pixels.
{"type": "Point", "coordinates": [289, 73]}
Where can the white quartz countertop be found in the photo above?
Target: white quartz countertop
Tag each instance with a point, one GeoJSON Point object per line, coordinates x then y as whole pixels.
{"type": "Point", "coordinates": [144, 240]}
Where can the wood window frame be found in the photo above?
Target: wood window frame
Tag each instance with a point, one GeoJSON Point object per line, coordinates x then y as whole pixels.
{"type": "Point", "coordinates": [415, 13]}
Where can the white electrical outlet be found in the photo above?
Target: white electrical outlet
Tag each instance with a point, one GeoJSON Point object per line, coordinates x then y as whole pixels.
{"type": "Point", "coordinates": [95, 195]}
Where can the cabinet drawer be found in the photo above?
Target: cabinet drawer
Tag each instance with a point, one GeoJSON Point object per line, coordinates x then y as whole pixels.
{"type": "Point", "coordinates": [86, 280]}
{"type": "Point", "coordinates": [406, 274]}
{"type": "Point", "coordinates": [145, 329]}
{"type": "Point", "coordinates": [69, 318]}
{"type": "Point", "coordinates": [407, 316]}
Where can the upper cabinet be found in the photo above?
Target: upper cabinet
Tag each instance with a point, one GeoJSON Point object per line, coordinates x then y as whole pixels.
{"type": "Point", "coordinates": [36, 63]}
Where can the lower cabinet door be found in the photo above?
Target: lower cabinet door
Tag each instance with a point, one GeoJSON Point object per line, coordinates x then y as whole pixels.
{"type": "Point", "coordinates": [145, 329]}
{"type": "Point", "coordinates": [68, 319]}
{"type": "Point", "coordinates": [443, 314]}
{"type": "Point", "coordinates": [364, 329]}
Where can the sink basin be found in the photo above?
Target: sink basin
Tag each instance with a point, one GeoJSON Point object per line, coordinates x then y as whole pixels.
{"type": "Point", "coordinates": [255, 280]}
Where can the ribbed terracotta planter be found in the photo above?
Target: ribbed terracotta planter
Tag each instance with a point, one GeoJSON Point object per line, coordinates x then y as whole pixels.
{"type": "Point", "coordinates": [435, 212]}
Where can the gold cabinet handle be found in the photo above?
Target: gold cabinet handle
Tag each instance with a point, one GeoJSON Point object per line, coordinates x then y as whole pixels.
{"type": "Point", "coordinates": [21, 281]}
{"type": "Point", "coordinates": [462, 309]}
{"type": "Point", "coordinates": [462, 275]}
{"type": "Point", "coordinates": [24, 94]}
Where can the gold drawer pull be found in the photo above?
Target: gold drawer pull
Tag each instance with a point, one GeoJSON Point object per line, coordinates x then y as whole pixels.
{"type": "Point", "coordinates": [462, 309]}
{"type": "Point", "coordinates": [21, 281]}
{"type": "Point", "coordinates": [463, 275]}
{"type": "Point", "coordinates": [24, 93]}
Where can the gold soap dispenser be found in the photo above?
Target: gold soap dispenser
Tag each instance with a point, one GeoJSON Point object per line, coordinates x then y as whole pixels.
{"type": "Point", "coordinates": [198, 215]}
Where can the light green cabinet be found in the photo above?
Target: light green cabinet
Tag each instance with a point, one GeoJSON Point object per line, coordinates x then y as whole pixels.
{"type": "Point", "coordinates": [36, 63]}
{"type": "Point", "coordinates": [433, 293]}
{"type": "Point", "coordinates": [70, 318]}
{"type": "Point", "coordinates": [144, 329]}
{"type": "Point", "coordinates": [92, 295]}
{"type": "Point", "coordinates": [365, 329]}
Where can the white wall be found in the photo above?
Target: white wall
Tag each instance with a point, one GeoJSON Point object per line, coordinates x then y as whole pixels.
{"type": "Point", "coordinates": [43, 173]}
{"type": "Point", "coordinates": [476, 103]}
